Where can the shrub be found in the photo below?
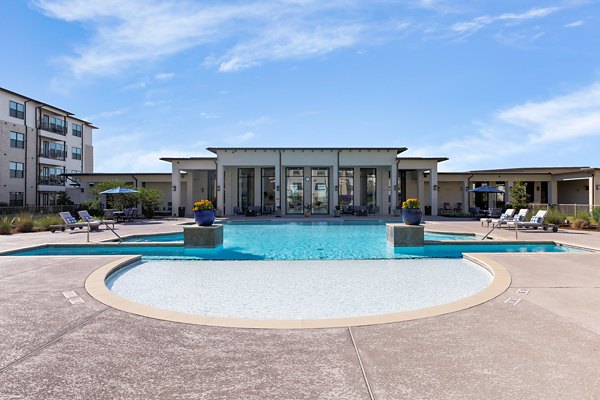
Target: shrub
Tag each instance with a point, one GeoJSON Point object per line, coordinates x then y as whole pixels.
{"type": "Point", "coordinates": [151, 199]}
{"type": "Point", "coordinates": [93, 207]}
{"type": "Point", "coordinates": [42, 223]}
{"type": "Point", "coordinates": [5, 226]}
{"type": "Point", "coordinates": [596, 215]}
{"type": "Point", "coordinates": [555, 216]}
{"type": "Point", "coordinates": [24, 222]}
{"type": "Point", "coordinates": [580, 223]}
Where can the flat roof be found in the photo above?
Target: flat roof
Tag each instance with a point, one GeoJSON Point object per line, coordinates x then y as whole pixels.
{"type": "Point", "coordinates": [115, 173]}
{"type": "Point", "coordinates": [69, 113]}
{"type": "Point", "coordinates": [438, 159]}
{"type": "Point", "coordinates": [397, 149]}
{"type": "Point", "coordinates": [186, 158]}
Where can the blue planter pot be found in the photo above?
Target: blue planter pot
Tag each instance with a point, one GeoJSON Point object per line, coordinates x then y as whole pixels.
{"type": "Point", "coordinates": [204, 217]}
{"type": "Point", "coordinates": [412, 216]}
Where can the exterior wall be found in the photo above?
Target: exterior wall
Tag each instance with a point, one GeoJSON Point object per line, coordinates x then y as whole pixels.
{"type": "Point", "coordinates": [573, 192]}
{"type": "Point", "coordinates": [32, 156]}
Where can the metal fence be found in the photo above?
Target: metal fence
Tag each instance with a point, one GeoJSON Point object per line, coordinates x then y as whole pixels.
{"type": "Point", "coordinates": [568, 209]}
{"type": "Point", "coordinates": [37, 209]}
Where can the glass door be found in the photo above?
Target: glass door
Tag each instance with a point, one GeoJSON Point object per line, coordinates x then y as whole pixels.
{"type": "Point", "coordinates": [320, 190]}
{"type": "Point", "coordinates": [368, 187]}
{"type": "Point", "coordinates": [295, 190]}
{"type": "Point", "coordinates": [245, 188]}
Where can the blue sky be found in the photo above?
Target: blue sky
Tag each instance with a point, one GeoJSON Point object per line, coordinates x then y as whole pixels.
{"type": "Point", "coordinates": [488, 84]}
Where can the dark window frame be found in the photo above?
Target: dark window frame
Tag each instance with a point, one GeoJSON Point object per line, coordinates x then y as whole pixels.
{"type": "Point", "coordinates": [16, 172]}
{"type": "Point", "coordinates": [16, 110]}
{"type": "Point", "coordinates": [76, 153]}
{"type": "Point", "coordinates": [77, 132]}
{"type": "Point", "coordinates": [17, 143]}
{"type": "Point", "coordinates": [16, 199]}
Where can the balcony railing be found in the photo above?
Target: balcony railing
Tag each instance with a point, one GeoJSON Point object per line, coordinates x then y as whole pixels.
{"type": "Point", "coordinates": [54, 154]}
{"type": "Point", "coordinates": [61, 130]}
{"type": "Point", "coordinates": [52, 180]}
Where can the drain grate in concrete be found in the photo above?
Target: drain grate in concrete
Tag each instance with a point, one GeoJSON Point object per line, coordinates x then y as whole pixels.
{"type": "Point", "coordinates": [512, 300]}
{"type": "Point", "coordinates": [77, 300]}
{"type": "Point", "coordinates": [522, 291]}
{"type": "Point", "coordinates": [70, 294]}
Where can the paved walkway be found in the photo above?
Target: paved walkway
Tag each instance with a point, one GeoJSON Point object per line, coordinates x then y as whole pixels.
{"type": "Point", "coordinates": [547, 346]}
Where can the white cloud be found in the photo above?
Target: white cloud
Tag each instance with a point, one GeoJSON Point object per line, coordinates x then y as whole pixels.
{"type": "Point", "coordinates": [575, 24]}
{"type": "Point", "coordinates": [257, 121]}
{"type": "Point", "coordinates": [536, 132]}
{"type": "Point", "coordinates": [163, 76]}
{"type": "Point", "coordinates": [243, 138]}
{"type": "Point", "coordinates": [129, 32]}
{"type": "Point", "coordinates": [478, 23]}
{"type": "Point", "coordinates": [205, 115]}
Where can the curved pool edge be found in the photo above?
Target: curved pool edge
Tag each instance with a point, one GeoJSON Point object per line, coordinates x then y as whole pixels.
{"type": "Point", "coordinates": [96, 287]}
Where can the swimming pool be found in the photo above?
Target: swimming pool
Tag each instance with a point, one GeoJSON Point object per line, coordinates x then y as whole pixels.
{"type": "Point", "coordinates": [294, 290]}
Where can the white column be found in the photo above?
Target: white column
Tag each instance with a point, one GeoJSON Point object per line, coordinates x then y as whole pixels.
{"type": "Point", "coordinates": [335, 181]}
{"type": "Point", "coordinates": [420, 187]}
{"type": "Point", "coordinates": [221, 189]}
{"type": "Point", "coordinates": [394, 183]}
{"type": "Point", "coordinates": [278, 185]}
{"type": "Point", "coordinates": [175, 189]}
{"type": "Point", "coordinates": [591, 191]}
{"type": "Point", "coordinates": [433, 186]}
{"type": "Point", "coordinates": [258, 195]}
{"type": "Point", "coordinates": [356, 187]}
{"type": "Point", "coordinates": [553, 192]}
{"type": "Point", "coordinates": [537, 194]}
{"type": "Point", "coordinates": [509, 186]}
{"type": "Point", "coordinates": [189, 193]}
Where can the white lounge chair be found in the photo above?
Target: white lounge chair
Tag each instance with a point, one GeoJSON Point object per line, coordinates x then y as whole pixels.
{"type": "Point", "coordinates": [86, 217]}
{"type": "Point", "coordinates": [537, 221]}
{"type": "Point", "coordinates": [507, 215]}
{"type": "Point", "coordinates": [70, 222]}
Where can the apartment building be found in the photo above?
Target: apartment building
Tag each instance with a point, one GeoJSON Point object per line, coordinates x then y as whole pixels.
{"type": "Point", "coordinates": [39, 144]}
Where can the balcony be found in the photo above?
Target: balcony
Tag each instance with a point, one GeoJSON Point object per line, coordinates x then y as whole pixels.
{"type": "Point", "coordinates": [61, 130]}
{"type": "Point", "coordinates": [52, 180]}
{"type": "Point", "coordinates": [54, 155]}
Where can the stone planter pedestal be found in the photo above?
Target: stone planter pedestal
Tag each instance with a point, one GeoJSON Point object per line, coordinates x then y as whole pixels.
{"type": "Point", "coordinates": [399, 235]}
{"type": "Point", "coordinates": [203, 236]}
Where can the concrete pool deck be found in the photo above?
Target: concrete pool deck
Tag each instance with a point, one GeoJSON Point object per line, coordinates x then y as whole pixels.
{"type": "Point", "coordinates": [547, 345]}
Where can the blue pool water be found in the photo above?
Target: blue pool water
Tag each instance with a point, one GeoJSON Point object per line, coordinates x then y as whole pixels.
{"type": "Point", "coordinates": [297, 251]}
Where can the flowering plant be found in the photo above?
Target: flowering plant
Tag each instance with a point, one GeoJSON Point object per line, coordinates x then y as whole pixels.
{"type": "Point", "coordinates": [203, 205]}
{"type": "Point", "coordinates": [411, 203]}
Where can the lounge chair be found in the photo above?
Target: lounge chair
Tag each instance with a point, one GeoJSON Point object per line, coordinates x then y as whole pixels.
{"type": "Point", "coordinates": [70, 222]}
{"type": "Point", "coordinates": [445, 209]}
{"type": "Point", "coordinates": [507, 215]}
{"type": "Point", "coordinates": [537, 221]}
{"type": "Point", "coordinates": [86, 217]}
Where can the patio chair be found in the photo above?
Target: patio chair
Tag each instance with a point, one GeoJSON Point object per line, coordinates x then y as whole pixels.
{"type": "Point", "coordinates": [445, 209]}
{"type": "Point", "coordinates": [537, 221]}
{"type": "Point", "coordinates": [458, 208]}
{"type": "Point", "coordinates": [86, 217]}
{"type": "Point", "coordinates": [70, 222]}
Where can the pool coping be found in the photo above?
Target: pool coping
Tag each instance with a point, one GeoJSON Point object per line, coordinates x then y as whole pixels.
{"type": "Point", "coordinates": [96, 287]}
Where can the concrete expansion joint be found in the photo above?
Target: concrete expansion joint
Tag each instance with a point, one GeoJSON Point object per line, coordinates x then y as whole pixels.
{"type": "Point", "coordinates": [362, 368]}
{"type": "Point", "coordinates": [54, 339]}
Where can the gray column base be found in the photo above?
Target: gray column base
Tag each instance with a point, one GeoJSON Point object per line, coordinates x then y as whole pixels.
{"type": "Point", "coordinates": [203, 236]}
{"type": "Point", "coordinates": [399, 235]}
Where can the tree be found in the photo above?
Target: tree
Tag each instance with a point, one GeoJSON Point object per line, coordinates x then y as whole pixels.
{"type": "Point", "coordinates": [518, 195]}
{"type": "Point", "coordinates": [150, 199]}
{"type": "Point", "coordinates": [62, 199]}
{"type": "Point", "coordinates": [118, 201]}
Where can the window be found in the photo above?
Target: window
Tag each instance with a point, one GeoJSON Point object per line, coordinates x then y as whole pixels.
{"type": "Point", "coordinates": [15, 199]}
{"type": "Point", "coordinates": [54, 124]}
{"type": "Point", "coordinates": [77, 130]}
{"type": "Point", "coordinates": [16, 169]}
{"type": "Point", "coordinates": [53, 150]}
{"type": "Point", "coordinates": [320, 192]}
{"type": "Point", "coordinates": [17, 140]}
{"type": "Point", "coordinates": [346, 187]}
{"type": "Point", "coordinates": [17, 110]}
{"type": "Point", "coordinates": [76, 153]}
{"type": "Point", "coordinates": [52, 176]}
{"type": "Point", "coordinates": [268, 188]}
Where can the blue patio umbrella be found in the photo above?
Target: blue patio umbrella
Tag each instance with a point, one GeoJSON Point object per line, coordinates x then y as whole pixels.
{"type": "Point", "coordinates": [119, 190]}
{"type": "Point", "coordinates": [486, 189]}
